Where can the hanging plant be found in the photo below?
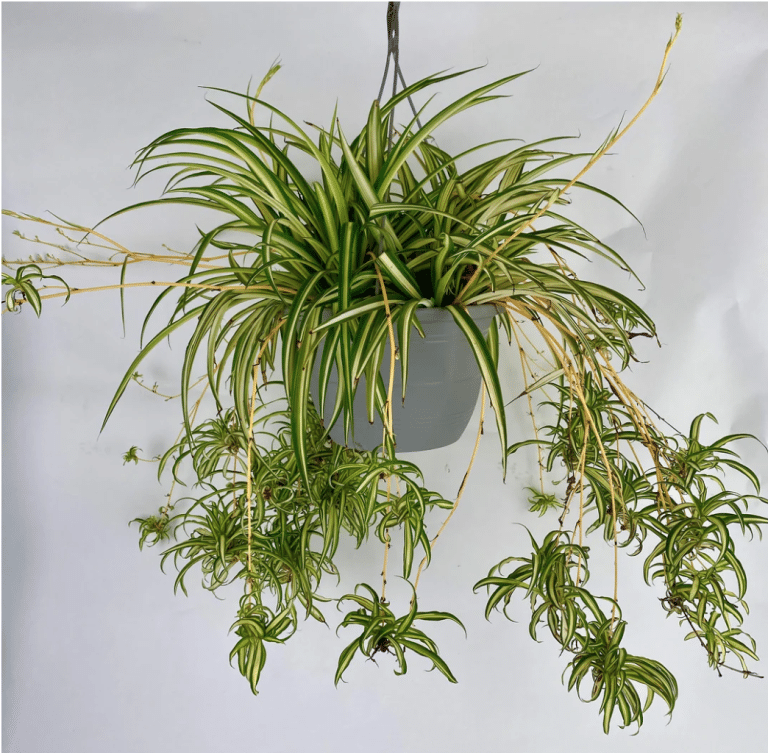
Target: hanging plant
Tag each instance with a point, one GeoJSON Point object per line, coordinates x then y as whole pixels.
{"type": "Point", "coordinates": [323, 290]}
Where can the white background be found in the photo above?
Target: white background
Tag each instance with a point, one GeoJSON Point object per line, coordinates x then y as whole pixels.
{"type": "Point", "coordinates": [98, 655]}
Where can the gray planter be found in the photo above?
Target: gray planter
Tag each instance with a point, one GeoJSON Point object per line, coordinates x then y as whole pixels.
{"type": "Point", "coordinates": [443, 386]}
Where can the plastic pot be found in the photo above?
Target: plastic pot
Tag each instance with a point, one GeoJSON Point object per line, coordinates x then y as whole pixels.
{"type": "Point", "coordinates": [443, 386]}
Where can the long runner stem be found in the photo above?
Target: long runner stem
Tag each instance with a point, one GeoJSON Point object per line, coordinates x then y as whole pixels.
{"type": "Point", "coordinates": [388, 428]}
{"type": "Point", "coordinates": [461, 488]}
{"type": "Point", "coordinates": [595, 157]}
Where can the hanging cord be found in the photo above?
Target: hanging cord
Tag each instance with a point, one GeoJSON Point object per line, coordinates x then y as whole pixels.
{"type": "Point", "coordinates": [393, 51]}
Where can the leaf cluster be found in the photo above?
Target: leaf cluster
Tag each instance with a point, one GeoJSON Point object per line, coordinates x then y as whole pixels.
{"type": "Point", "coordinates": [383, 632]}
{"type": "Point", "coordinates": [281, 544]}
{"type": "Point", "coordinates": [676, 498]}
{"type": "Point", "coordinates": [22, 289]}
{"type": "Point", "coordinates": [553, 579]}
{"type": "Point", "coordinates": [390, 227]}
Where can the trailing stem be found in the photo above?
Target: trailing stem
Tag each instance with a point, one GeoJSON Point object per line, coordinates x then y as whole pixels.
{"type": "Point", "coordinates": [610, 142]}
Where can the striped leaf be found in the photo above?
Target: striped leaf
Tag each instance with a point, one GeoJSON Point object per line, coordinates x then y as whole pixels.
{"type": "Point", "coordinates": [488, 371]}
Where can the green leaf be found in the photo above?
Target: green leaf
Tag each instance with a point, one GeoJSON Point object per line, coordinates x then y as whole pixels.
{"type": "Point", "coordinates": [401, 153]}
{"type": "Point", "coordinates": [374, 141]}
{"type": "Point", "coordinates": [397, 273]}
{"type": "Point", "coordinates": [345, 660]}
{"type": "Point", "coordinates": [122, 292]}
{"type": "Point", "coordinates": [372, 304]}
{"type": "Point", "coordinates": [143, 354]}
{"type": "Point", "coordinates": [404, 325]}
{"type": "Point", "coordinates": [488, 371]}
{"type": "Point", "coordinates": [437, 662]}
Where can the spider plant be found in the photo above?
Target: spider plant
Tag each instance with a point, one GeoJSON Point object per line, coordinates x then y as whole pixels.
{"type": "Point", "coordinates": [371, 244]}
{"type": "Point", "coordinates": [303, 276]}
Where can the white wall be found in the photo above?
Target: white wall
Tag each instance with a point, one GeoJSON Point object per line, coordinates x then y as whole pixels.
{"type": "Point", "coordinates": [98, 653]}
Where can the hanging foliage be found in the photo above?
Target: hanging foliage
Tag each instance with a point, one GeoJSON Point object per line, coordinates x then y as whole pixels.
{"type": "Point", "coordinates": [395, 225]}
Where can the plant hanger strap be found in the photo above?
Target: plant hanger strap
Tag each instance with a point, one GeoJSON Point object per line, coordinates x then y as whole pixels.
{"type": "Point", "coordinates": [393, 51]}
